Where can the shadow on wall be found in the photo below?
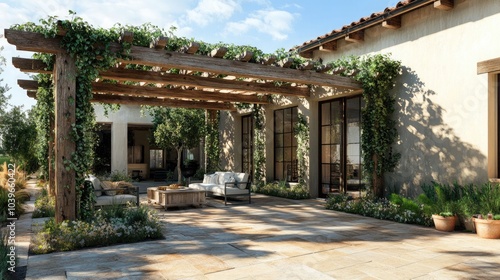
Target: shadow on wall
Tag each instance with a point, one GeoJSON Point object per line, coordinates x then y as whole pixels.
{"type": "Point", "coordinates": [430, 150]}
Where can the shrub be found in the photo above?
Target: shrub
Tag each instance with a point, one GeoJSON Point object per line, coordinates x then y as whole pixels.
{"type": "Point", "coordinates": [280, 189]}
{"type": "Point", "coordinates": [116, 176]}
{"type": "Point", "coordinates": [4, 203]}
{"type": "Point", "coordinates": [44, 205]}
{"type": "Point", "coordinates": [17, 175]}
{"type": "Point", "coordinates": [402, 210]}
{"type": "Point", "coordinates": [108, 226]}
{"type": "Point", "coordinates": [4, 258]}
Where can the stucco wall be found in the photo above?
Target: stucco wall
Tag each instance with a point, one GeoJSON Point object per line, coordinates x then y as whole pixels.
{"type": "Point", "coordinates": [442, 102]}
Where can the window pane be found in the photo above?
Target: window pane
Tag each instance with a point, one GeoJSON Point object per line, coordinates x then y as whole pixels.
{"type": "Point", "coordinates": [278, 121]}
{"type": "Point", "coordinates": [325, 113]}
{"type": "Point", "coordinates": [325, 135]}
{"type": "Point", "coordinates": [287, 139]}
{"type": "Point", "coordinates": [278, 140]}
{"type": "Point", "coordinates": [279, 171]}
{"type": "Point", "coordinates": [325, 154]}
{"type": "Point", "coordinates": [279, 154]}
{"type": "Point", "coordinates": [288, 154]}
{"type": "Point", "coordinates": [287, 120]}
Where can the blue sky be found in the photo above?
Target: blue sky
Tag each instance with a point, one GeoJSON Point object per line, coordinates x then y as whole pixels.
{"type": "Point", "coordinates": [265, 24]}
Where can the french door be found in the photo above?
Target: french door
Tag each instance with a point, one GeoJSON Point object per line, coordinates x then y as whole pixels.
{"type": "Point", "coordinates": [340, 140]}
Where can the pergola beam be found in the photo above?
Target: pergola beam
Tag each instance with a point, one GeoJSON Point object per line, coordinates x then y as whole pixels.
{"type": "Point", "coordinates": [120, 74]}
{"type": "Point", "coordinates": [127, 100]}
{"type": "Point", "coordinates": [132, 100]}
{"type": "Point", "coordinates": [202, 82]}
{"type": "Point", "coordinates": [36, 42]}
{"type": "Point", "coordinates": [29, 65]}
{"type": "Point", "coordinates": [149, 91]}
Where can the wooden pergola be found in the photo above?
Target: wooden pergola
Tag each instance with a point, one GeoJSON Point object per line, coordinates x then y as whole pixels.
{"type": "Point", "coordinates": [198, 85]}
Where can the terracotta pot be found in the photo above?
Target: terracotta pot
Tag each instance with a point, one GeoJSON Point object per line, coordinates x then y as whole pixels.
{"type": "Point", "coordinates": [444, 223]}
{"type": "Point", "coordinates": [469, 224]}
{"type": "Point", "coordinates": [487, 228]}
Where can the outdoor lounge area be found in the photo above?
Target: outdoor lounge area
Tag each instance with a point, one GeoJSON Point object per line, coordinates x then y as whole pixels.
{"type": "Point", "coordinates": [368, 152]}
{"type": "Point", "coordinates": [275, 238]}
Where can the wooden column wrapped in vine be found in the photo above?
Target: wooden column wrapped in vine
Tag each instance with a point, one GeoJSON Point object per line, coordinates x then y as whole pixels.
{"type": "Point", "coordinates": [65, 93]}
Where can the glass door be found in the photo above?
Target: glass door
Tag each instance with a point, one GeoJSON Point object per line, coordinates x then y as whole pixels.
{"type": "Point", "coordinates": [341, 159]}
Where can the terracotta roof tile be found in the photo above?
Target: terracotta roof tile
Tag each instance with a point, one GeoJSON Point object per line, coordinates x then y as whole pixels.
{"type": "Point", "coordinates": [361, 20]}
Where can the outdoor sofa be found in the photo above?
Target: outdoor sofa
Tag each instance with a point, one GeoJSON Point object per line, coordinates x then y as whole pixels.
{"type": "Point", "coordinates": [113, 193]}
{"type": "Point", "coordinates": [225, 184]}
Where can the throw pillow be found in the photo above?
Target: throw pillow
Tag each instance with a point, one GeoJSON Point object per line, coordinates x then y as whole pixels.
{"type": "Point", "coordinates": [97, 185]}
{"type": "Point", "coordinates": [108, 187]}
{"type": "Point", "coordinates": [206, 179]}
{"type": "Point", "coordinates": [214, 179]}
{"type": "Point", "coordinates": [225, 177]}
{"type": "Point", "coordinates": [124, 185]}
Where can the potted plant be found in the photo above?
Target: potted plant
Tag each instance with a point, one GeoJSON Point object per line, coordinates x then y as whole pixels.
{"type": "Point", "coordinates": [445, 221]}
{"type": "Point", "coordinates": [488, 224]}
{"type": "Point", "coordinates": [488, 227]}
{"type": "Point", "coordinates": [443, 206]}
{"type": "Point", "coordinates": [469, 206]}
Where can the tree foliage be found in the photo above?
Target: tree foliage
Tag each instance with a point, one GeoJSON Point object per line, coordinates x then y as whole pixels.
{"type": "Point", "coordinates": [178, 128]}
{"type": "Point", "coordinates": [18, 136]}
{"type": "Point", "coordinates": [3, 89]}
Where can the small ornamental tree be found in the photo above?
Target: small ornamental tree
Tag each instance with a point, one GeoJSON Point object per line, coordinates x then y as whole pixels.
{"type": "Point", "coordinates": [18, 137]}
{"type": "Point", "coordinates": [178, 128]}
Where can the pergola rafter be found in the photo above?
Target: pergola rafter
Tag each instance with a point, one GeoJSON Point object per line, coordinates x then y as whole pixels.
{"type": "Point", "coordinates": [205, 82]}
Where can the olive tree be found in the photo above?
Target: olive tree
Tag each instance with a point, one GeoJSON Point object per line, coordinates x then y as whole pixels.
{"type": "Point", "coordinates": [178, 128]}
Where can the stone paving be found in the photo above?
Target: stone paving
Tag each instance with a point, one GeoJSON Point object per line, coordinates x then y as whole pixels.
{"type": "Point", "coordinates": [275, 238]}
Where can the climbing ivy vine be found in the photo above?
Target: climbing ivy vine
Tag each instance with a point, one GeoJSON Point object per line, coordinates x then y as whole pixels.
{"type": "Point", "coordinates": [212, 144]}
{"type": "Point", "coordinates": [259, 156]}
{"type": "Point", "coordinates": [377, 76]}
{"type": "Point", "coordinates": [302, 134]}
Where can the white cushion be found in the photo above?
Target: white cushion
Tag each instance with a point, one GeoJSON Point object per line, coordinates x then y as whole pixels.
{"type": "Point", "coordinates": [97, 185]}
{"type": "Point", "coordinates": [206, 179]}
{"type": "Point", "coordinates": [241, 177]}
{"type": "Point", "coordinates": [226, 176]}
{"type": "Point", "coordinates": [214, 179]}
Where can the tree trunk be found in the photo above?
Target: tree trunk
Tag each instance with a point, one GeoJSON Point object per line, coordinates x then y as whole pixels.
{"type": "Point", "coordinates": [377, 181]}
{"type": "Point", "coordinates": [179, 158]}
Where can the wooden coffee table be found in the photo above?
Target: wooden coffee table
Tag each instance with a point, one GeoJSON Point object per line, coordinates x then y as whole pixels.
{"type": "Point", "coordinates": [177, 197]}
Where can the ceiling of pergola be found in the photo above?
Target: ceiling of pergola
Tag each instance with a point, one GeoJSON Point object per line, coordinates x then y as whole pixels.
{"type": "Point", "coordinates": [207, 82]}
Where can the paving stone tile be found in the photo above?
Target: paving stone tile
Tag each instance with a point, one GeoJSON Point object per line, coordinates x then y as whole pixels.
{"type": "Point", "coordinates": [274, 239]}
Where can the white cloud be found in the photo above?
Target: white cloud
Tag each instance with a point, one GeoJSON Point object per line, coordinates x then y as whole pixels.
{"type": "Point", "coordinates": [209, 11]}
{"type": "Point", "coordinates": [272, 22]}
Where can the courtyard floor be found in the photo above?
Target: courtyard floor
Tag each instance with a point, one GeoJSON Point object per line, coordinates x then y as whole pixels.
{"type": "Point", "coordinates": [275, 238]}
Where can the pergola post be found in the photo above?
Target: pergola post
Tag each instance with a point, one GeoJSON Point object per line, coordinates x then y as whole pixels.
{"type": "Point", "coordinates": [65, 94]}
{"type": "Point", "coordinates": [51, 174]}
